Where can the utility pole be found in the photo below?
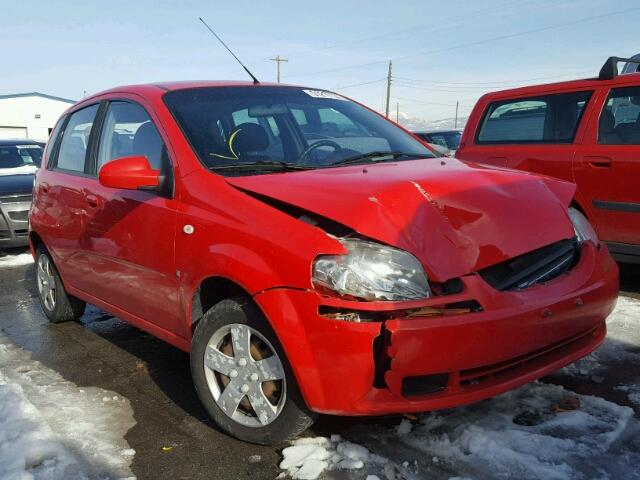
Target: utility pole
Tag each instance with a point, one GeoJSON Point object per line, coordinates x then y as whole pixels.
{"type": "Point", "coordinates": [455, 122]}
{"type": "Point", "coordinates": [278, 59]}
{"type": "Point", "coordinates": [386, 110]}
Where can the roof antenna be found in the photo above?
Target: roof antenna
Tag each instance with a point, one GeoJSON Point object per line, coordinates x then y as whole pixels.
{"type": "Point", "coordinates": [255, 80]}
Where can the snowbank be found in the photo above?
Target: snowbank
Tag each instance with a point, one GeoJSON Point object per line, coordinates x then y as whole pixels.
{"type": "Point", "coordinates": [9, 261]}
{"type": "Point", "coordinates": [515, 435]}
{"type": "Point", "coordinates": [52, 429]}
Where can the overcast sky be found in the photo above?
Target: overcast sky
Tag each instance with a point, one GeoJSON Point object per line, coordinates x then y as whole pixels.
{"type": "Point", "coordinates": [442, 51]}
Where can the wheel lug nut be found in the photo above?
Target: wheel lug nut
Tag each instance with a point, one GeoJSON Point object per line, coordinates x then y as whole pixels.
{"type": "Point", "coordinates": [242, 362]}
{"type": "Point", "coordinates": [244, 388]}
{"type": "Point", "coordinates": [254, 377]}
{"type": "Point", "coordinates": [233, 373]}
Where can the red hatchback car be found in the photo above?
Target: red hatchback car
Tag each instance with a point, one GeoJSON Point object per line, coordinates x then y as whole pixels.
{"type": "Point", "coordinates": [582, 131]}
{"type": "Point", "coordinates": [312, 256]}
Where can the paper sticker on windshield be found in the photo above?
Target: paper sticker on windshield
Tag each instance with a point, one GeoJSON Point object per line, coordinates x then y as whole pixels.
{"type": "Point", "coordinates": [323, 94]}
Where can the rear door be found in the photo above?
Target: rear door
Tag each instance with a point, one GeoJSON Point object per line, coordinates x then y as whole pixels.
{"type": "Point", "coordinates": [608, 166]}
{"type": "Point", "coordinates": [62, 188]}
{"type": "Point", "coordinates": [533, 133]}
{"type": "Point", "coordinates": [129, 236]}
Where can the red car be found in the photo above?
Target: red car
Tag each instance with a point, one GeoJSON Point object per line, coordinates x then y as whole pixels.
{"type": "Point", "coordinates": [312, 256]}
{"type": "Point", "coordinates": [582, 131]}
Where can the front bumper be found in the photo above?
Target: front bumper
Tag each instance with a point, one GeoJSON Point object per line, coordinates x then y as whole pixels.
{"type": "Point", "coordinates": [517, 337]}
{"type": "Point", "coordinates": [14, 220]}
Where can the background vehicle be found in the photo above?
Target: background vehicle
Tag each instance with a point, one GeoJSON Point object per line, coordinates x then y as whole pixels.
{"type": "Point", "coordinates": [440, 150]}
{"type": "Point", "coordinates": [449, 139]}
{"type": "Point", "coordinates": [304, 250]}
{"type": "Point", "coordinates": [583, 131]}
{"type": "Point", "coordinates": [19, 160]}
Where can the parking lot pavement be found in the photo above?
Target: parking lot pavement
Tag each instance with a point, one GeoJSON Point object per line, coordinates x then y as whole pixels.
{"type": "Point", "coordinates": [173, 437]}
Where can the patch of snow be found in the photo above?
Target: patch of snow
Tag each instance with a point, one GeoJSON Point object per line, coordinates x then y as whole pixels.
{"type": "Point", "coordinates": [51, 429]}
{"type": "Point", "coordinates": [632, 390]}
{"type": "Point", "coordinates": [307, 458]}
{"type": "Point", "coordinates": [486, 440]}
{"type": "Point", "coordinates": [623, 334]}
{"type": "Point", "coordinates": [483, 440]}
{"type": "Point", "coordinates": [17, 260]}
{"type": "Point", "coordinates": [404, 428]}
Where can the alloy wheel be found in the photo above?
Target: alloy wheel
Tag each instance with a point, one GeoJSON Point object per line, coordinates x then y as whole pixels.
{"type": "Point", "coordinates": [245, 375]}
{"type": "Point", "coordinates": [46, 282]}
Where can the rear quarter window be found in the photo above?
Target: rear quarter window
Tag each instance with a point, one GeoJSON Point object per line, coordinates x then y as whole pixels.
{"type": "Point", "coordinates": [541, 119]}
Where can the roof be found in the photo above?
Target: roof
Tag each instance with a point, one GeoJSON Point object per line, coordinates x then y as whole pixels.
{"type": "Point", "coordinates": [155, 87]}
{"type": "Point", "coordinates": [448, 130]}
{"type": "Point", "coordinates": [37, 94]}
{"type": "Point", "coordinates": [19, 141]}
{"type": "Point", "coordinates": [628, 79]}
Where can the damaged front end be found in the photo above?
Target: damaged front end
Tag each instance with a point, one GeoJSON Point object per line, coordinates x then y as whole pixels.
{"type": "Point", "coordinates": [433, 297]}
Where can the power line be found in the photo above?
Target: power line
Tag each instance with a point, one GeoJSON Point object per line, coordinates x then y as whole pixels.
{"type": "Point", "coordinates": [472, 44]}
{"type": "Point", "coordinates": [413, 100]}
{"type": "Point", "coordinates": [496, 82]}
{"type": "Point", "coordinates": [358, 84]}
{"type": "Point", "coordinates": [473, 15]}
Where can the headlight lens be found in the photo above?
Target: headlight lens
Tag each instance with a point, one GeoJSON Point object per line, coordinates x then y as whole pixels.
{"type": "Point", "coordinates": [372, 271]}
{"type": "Point", "coordinates": [582, 227]}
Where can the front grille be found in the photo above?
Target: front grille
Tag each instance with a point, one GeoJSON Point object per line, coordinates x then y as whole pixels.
{"type": "Point", "coordinates": [19, 216]}
{"type": "Point", "coordinates": [16, 198]}
{"type": "Point", "coordinates": [4, 234]}
{"type": "Point", "coordinates": [535, 267]}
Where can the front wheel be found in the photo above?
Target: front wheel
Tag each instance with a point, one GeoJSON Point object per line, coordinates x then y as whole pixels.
{"type": "Point", "coordinates": [243, 378]}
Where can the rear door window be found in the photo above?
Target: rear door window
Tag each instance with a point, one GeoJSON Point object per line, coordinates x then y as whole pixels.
{"type": "Point", "coordinates": [544, 119]}
{"type": "Point", "coordinates": [75, 140]}
{"type": "Point", "coordinates": [620, 119]}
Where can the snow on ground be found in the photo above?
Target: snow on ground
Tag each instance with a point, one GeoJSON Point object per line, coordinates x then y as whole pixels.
{"type": "Point", "coordinates": [19, 260]}
{"type": "Point", "coordinates": [52, 429]}
{"type": "Point", "coordinates": [307, 458]}
{"type": "Point", "coordinates": [519, 434]}
{"type": "Point", "coordinates": [622, 345]}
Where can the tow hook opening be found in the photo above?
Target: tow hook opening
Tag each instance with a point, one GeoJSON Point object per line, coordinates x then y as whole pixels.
{"type": "Point", "coordinates": [381, 360]}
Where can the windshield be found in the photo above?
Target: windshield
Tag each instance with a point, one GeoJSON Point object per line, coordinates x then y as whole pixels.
{"type": "Point", "coordinates": [450, 140]}
{"type": "Point", "coordinates": [15, 156]}
{"type": "Point", "coordinates": [285, 126]}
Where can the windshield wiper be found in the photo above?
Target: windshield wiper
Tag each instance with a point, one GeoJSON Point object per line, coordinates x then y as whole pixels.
{"type": "Point", "coordinates": [377, 156]}
{"type": "Point", "coordinates": [260, 165]}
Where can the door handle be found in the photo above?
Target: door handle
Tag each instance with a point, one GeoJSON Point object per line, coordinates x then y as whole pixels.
{"type": "Point", "coordinates": [599, 162]}
{"type": "Point", "coordinates": [92, 200]}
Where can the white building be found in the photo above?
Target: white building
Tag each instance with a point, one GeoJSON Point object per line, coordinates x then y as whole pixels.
{"type": "Point", "coordinates": [30, 115]}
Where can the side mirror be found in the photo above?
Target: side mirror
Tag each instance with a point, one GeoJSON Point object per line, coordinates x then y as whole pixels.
{"type": "Point", "coordinates": [130, 173]}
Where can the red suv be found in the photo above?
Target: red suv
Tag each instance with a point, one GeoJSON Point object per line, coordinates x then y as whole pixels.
{"type": "Point", "coordinates": [311, 255]}
{"type": "Point", "coordinates": [582, 131]}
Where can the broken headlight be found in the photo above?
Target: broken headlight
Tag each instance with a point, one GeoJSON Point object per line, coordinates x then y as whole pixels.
{"type": "Point", "coordinates": [582, 227]}
{"type": "Point", "coordinates": [372, 271]}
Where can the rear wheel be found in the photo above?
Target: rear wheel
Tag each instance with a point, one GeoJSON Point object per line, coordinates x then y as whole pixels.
{"type": "Point", "coordinates": [242, 375]}
{"type": "Point", "coordinates": [57, 304]}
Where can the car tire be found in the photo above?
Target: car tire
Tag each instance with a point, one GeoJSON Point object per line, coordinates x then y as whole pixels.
{"type": "Point", "coordinates": [56, 303]}
{"type": "Point", "coordinates": [246, 419]}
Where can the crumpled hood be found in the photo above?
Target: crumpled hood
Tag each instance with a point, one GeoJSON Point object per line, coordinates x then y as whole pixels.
{"type": "Point", "coordinates": [455, 217]}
